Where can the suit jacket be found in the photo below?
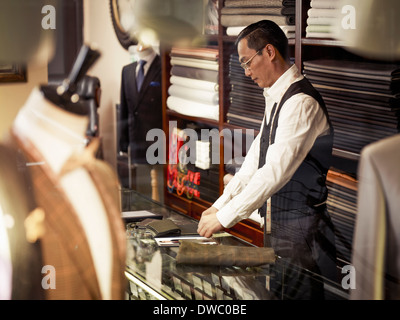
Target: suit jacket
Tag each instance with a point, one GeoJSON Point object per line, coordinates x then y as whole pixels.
{"type": "Point", "coordinates": [139, 111]}
{"type": "Point", "coordinates": [376, 245]}
{"type": "Point", "coordinates": [64, 244]}
{"type": "Point", "coordinates": [17, 201]}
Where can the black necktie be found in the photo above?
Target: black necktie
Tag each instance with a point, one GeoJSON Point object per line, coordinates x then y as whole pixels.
{"type": "Point", "coordinates": [140, 76]}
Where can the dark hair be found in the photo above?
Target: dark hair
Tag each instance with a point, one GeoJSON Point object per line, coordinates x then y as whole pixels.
{"type": "Point", "coordinates": [261, 33]}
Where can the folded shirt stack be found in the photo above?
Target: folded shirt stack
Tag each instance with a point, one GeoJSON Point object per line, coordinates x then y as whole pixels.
{"type": "Point", "coordinates": [194, 82]}
{"type": "Point", "coordinates": [342, 207]}
{"type": "Point", "coordinates": [203, 159]}
{"type": "Point", "coordinates": [362, 98]}
{"type": "Point", "coordinates": [236, 14]}
{"type": "Point", "coordinates": [322, 19]}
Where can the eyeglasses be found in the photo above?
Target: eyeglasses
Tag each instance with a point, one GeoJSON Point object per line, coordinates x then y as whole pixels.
{"type": "Point", "coordinates": [246, 65]}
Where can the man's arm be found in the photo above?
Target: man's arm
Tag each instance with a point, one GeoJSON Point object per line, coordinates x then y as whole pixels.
{"type": "Point", "coordinates": [209, 222]}
{"type": "Point", "coordinates": [242, 177]}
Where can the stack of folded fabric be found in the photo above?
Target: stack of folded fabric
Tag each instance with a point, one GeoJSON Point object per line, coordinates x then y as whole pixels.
{"type": "Point", "coordinates": [342, 207]}
{"type": "Point", "coordinates": [194, 82]}
{"type": "Point", "coordinates": [247, 101]}
{"type": "Point", "coordinates": [237, 14]}
{"type": "Point", "coordinates": [362, 98]}
{"type": "Point", "coordinates": [322, 19]}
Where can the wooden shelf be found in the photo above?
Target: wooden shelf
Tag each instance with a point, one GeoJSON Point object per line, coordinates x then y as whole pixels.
{"type": "Point", "coordinates": [210, 122]}
{"type": "Point", "coordinates": [192, 207]}
{"type": "Point", "coordinates": [345, 154]}
{"type": "Point", "coordinates": [232, 39]}
{"type": "Point", "coordinates": [321, 42]}
{"type": "Point", "coordinates": [233, 127]}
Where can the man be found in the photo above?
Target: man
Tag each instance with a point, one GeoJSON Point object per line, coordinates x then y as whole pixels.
{"type": "Point", "coordinates": [287, 162]}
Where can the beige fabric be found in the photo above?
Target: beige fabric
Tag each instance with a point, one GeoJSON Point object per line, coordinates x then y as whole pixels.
{"type": "Point", "coordinates": [221, 255]}
{"type": "Point", "coordinates": [377, 239]}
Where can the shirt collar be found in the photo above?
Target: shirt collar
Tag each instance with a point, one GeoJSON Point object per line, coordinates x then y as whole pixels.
{"type": "Point", "coordinates": [149, 58]}
{"type": "Point", "coordinates": [277, 90]}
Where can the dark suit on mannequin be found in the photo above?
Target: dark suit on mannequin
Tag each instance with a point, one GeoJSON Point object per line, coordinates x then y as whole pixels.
{"type": "Point", "coordinates": [140, 111]}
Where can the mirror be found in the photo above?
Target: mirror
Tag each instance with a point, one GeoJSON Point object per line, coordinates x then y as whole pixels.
{"type": "Point", "coordinates": [117, 9]}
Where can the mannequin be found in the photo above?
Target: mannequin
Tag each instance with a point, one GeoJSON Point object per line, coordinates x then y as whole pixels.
{"type": "Point", "coordinates": [57, 135]}
{"type": "Point", "coordinates": [84, 239]}
{"type": "Point", "coordinates": [140, 112]}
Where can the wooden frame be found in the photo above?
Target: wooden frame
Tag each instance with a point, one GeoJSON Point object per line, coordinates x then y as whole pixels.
{"type": "Point", "coordinates": [123, 36]}
{"type": "Point", "coordinates": [12, 73]}
{"type": "Point", "coordinates": [68, 40]}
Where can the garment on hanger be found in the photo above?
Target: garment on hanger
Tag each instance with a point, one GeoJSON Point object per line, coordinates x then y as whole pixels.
{"type": "Point", "coordinates": [376, 242]}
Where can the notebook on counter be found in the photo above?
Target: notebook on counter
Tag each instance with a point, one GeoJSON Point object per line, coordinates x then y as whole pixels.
{"type": "Point", "coordinates": [139, 215]}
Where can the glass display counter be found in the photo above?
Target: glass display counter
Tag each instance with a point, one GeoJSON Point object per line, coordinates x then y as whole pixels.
{"type": "Point", "coordinates": [154, 274]}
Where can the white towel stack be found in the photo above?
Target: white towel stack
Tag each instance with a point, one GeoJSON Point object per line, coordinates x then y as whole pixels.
{"type": "Point", "coordinates": [322, 19]}
{"type": "Point", "coordinates": [190, 96]}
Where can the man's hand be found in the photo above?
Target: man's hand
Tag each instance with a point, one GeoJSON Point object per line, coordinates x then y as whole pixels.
{"type": "Point", "coordinates": [209, 223]}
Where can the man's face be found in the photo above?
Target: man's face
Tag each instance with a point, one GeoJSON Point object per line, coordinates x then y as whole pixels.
{"type": "Point", "coordinates": [259, 68]}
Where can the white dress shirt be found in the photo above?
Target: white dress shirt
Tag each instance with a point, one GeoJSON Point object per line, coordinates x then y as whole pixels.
{"type": "Point", "coordinates": [148, 56]}
{"type": "Point", "coordinates": [301, 121]}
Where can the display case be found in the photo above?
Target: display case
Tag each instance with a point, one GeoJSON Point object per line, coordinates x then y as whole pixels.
{"type": "Point", "coordinates": [154, 274]}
